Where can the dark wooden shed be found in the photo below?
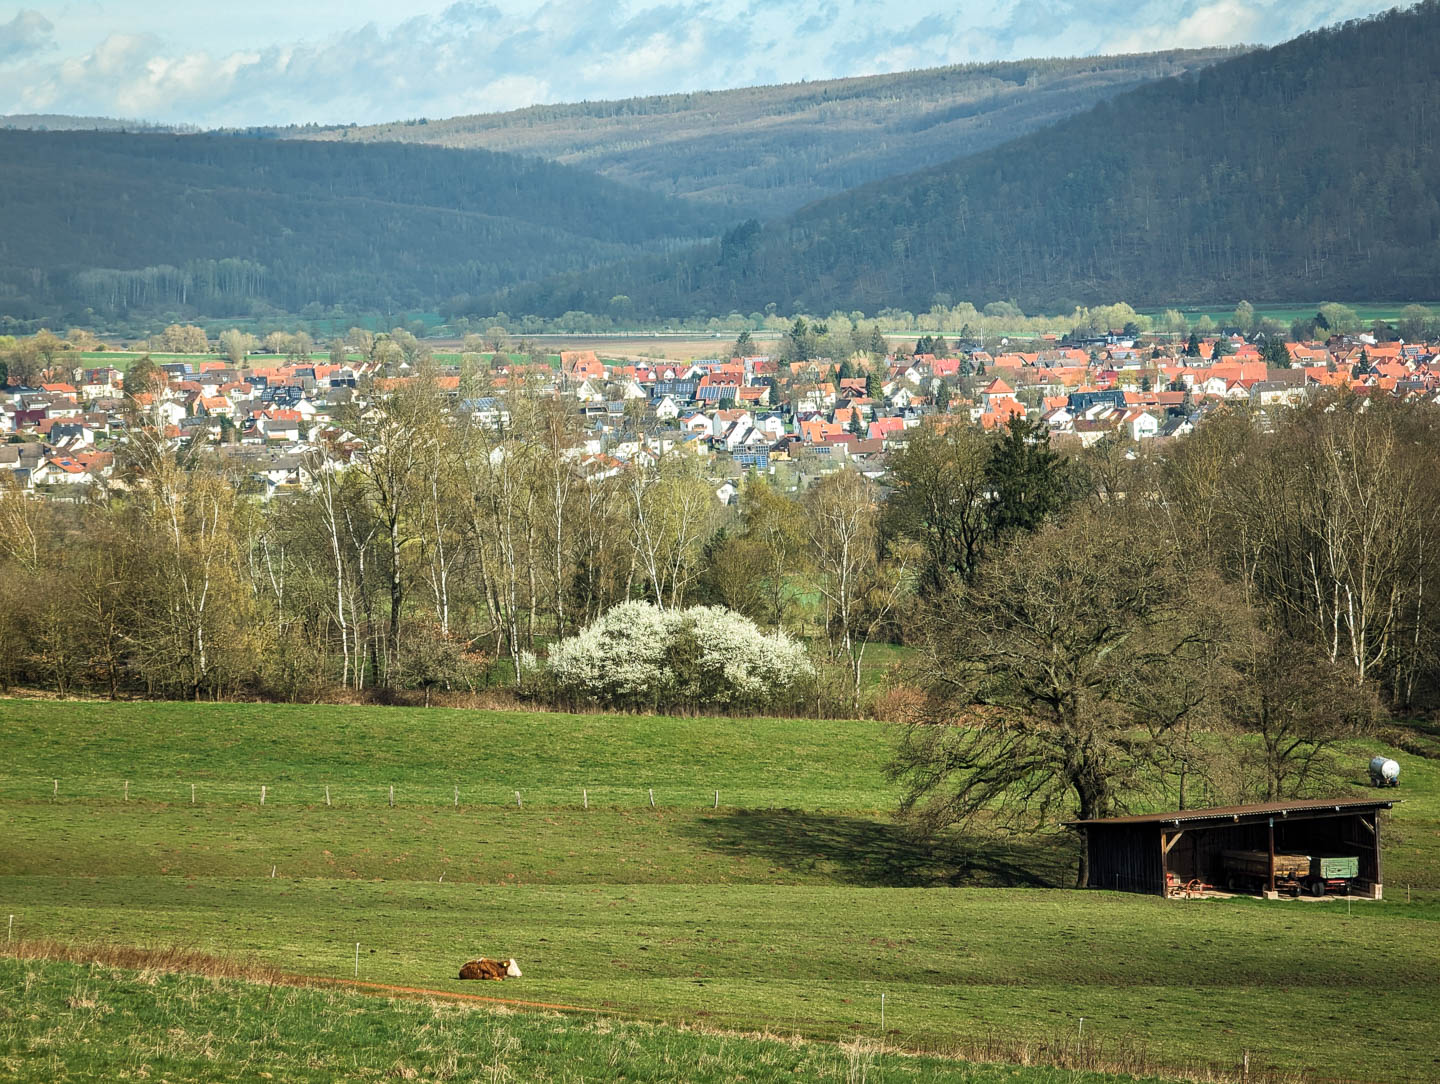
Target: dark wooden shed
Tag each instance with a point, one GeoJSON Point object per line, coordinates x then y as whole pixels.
{"type": "Point", "coordinates": [1155, 852]}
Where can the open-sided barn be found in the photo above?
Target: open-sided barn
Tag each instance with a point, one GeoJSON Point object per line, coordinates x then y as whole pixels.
{"type": "Point", "coordinates": [1242, 847]}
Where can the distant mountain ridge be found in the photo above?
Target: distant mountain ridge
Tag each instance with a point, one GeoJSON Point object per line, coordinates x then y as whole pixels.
{"type": "Point", "coordinates": [63, 122]}
{"type": "Point", "coordinates": [113, 223]}
{"type": "Point", "coordinates": [766, 151]}
{"type": "Point", "coordinates": [1295, 172]}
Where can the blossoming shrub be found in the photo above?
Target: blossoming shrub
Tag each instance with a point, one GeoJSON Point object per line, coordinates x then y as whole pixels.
{"type": "Point", "coordinates": [637, 655]}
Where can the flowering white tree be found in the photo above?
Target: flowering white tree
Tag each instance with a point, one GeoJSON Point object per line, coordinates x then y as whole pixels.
{"type": "Point", "coordinates": [637, 655]}
{"type": "Point", "coordinates": [618, 659]}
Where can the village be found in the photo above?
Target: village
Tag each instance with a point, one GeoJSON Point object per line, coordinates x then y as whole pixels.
{"type": "Point", "coordinates": [796, 419]}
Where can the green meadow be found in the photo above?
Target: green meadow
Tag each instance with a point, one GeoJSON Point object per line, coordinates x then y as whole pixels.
{"type": "Point", "coordinates": [788, 909]}
{"type": "Point", "coordinates": [65, 1021]}
{"type": "Point", "coordinates": [1367, 311]}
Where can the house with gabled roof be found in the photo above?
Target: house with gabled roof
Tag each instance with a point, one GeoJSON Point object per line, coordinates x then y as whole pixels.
{"type": "Point", "coordinates": [212, 406]}
{"type": "Point", "coordinates": [884, 428]}
{"type": "Point", "coordinates": [579, 365]}
{"type": "Point", "coordinates": [1003, 412]}
{"type": "Point", "coordinates": [994, 394]}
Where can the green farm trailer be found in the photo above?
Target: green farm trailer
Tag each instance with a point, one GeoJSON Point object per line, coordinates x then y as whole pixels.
{"type": "Point", "coordinates": [1316, 874]}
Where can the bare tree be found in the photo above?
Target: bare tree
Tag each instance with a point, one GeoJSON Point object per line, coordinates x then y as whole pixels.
{"type": "Point", "coordinates": [1298, 706]}
{"type": "Point", "coordinates": [1058, 677]}
{"type": "Point", "coordinates": [674, 510]}
{"type": "Point", "coordinates": [395, 431]}
{"type": "Point", "coordinates": [859, 590]}
{"type": "Point", "coordinates": [501, 506]}
{"type": "Point", "coordinates": [236, 344]}
{"type": "Point", "coordinates": [940, 497]}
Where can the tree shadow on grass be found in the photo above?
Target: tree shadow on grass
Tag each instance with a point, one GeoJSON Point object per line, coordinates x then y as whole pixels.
{"type": "Point", "coordinates": [873, 853]}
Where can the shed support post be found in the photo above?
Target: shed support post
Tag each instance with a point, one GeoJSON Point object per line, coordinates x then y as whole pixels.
{"type": "Point", "coordinates": [1374, 827]}
{"type": "Point", "coordinates": [1271, 885]}
{"type": "Point", "coordinates": [1167, 844]}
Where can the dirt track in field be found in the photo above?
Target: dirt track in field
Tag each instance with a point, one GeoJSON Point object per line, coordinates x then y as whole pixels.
{"type": "Point", "coordinates": [445, 995]}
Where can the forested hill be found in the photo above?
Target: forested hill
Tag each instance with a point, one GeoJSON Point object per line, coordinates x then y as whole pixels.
{"type": "Point", "coordinates": [1302, 171]}
{"type": "Point", "coordinates": [63, 122]}
{"type": "Point", "coordinates": [117, 222]}
{"type": "Point", "coordinates": [766, 151]}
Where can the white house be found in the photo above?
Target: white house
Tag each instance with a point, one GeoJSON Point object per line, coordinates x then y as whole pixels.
{"type": "Point", "coordinates": [1140, 425]}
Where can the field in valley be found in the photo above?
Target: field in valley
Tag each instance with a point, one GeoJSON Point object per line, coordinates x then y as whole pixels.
{"type": "Point", "coordinates": [1286, 312]}
{"type": "Point", "coordinates": [789, 909]}
{"type": "Point", "coordinates": [82, 1019]}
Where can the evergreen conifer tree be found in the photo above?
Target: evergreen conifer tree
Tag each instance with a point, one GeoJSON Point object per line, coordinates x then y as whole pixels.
{"type": "Point", "coordinates": [1027, 478]}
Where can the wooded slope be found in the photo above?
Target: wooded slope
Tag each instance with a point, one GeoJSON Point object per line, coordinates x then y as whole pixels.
{"type": "Point", "coordinates": [1296, 172]}
{"type": "Point", "coordinates": [114, 222]}
{"type": "Point", "coordinates": [766, 151]}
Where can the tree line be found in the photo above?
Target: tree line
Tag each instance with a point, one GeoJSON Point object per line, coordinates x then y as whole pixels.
{"type": "Point", "coordinates": [434, 543]}
{"type": "Point", "coordinates": [1083, 620]}
{"type": "Point", "coordinates": [1210, 624]}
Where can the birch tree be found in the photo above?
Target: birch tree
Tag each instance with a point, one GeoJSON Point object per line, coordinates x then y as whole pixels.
{"type": "Point", "coordinates": [673, 510]}
{"type": "Point", "coordinates": [395, 430]}
{"type": "Point", "coordinates": [859, 591]}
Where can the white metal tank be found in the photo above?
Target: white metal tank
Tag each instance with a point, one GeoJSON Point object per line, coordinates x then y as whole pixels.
{"type": "Point", "coordinates": [1384, 772]}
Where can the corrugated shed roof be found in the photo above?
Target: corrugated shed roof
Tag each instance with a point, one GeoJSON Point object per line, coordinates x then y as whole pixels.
{"type": "Point", "coordinates": [1242, 812]}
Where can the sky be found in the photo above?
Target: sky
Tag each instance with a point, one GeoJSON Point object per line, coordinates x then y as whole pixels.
{"type": "Point", "coordinates": [261, 62]}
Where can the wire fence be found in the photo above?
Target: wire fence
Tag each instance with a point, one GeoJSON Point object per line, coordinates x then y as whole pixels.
{"type": "Point", "coordinates": [430, 795]}
{"type": "Point", "coordinates": [1087, 1053]}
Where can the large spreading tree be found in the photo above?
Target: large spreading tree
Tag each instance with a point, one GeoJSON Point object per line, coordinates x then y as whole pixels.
{"type": "Point", "coordinates": [1060, 676]}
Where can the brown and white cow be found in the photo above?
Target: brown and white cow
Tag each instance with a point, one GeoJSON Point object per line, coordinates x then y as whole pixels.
{"type": "Point", "coordinates": [490, 969]}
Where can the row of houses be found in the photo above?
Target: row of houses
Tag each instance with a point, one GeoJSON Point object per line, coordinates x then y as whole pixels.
{"type": "Point", "coordinates": [740, 414]}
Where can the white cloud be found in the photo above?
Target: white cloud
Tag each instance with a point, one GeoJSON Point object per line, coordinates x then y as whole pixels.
{"type": "Point", "coordinates": [1226, 22]}
{"type": "Point", "coordinates": [473, 56]}
{"type": "Point", "coordinates": [661, 52]}
{"type": "Point", "coordinates": [24, 36]}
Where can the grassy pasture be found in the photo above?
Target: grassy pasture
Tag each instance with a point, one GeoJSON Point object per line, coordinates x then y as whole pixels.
{"type": "Point", "coordinates": [1368, 311]}
{"type": "Point", "coordinates": [1205, 981]}
{"type": "Point", "coordinates": [63, 1021]}
{"type": "Point", "coordinates": [230, 750]}
{"type": "Point", "coordinates": [793, 918]}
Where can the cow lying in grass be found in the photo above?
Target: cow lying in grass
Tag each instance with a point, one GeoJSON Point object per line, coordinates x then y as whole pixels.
{"type": "Point", "coordinates": [490, 969]}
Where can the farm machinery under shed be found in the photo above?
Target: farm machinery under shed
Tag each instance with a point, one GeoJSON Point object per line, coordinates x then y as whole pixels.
{"type": "Point", "coordinates": [1313, 874]}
